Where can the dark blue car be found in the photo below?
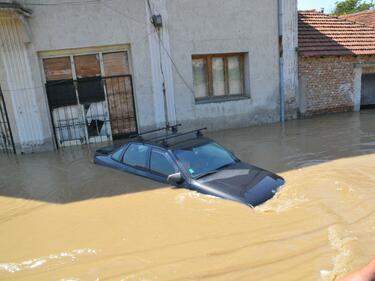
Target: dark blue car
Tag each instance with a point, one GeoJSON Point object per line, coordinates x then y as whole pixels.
{"type": "Point", "coordinates": [190, 160]}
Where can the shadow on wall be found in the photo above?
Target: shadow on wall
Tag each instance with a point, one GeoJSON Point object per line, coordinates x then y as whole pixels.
{"type": "Point", "coordinates": [70, 175]}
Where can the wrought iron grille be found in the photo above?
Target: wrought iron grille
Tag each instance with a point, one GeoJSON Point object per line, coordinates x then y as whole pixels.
{"type": "Point", "coordinates": [92, 110]}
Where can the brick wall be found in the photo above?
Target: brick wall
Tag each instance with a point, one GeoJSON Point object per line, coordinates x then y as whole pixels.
{"type": "Point", "coordinates": [327, 83]}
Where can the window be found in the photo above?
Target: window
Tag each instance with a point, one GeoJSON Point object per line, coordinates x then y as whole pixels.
{"type": "Point", "coordinates": [136, 155]}
{"type": "Point", "coordinates": [218, 76]}
{"type": "Point", "coordinates": [118, 154]}
{"type": "Point", "coordinates": [90, 93]}
{"type": "Point", "coordinates": [161, 164]}
{"type": "Point", "coordinates": [204, 159]}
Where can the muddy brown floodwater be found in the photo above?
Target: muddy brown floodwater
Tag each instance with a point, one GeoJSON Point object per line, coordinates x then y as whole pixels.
{"type": "Point", "coordinates": [63, 218]}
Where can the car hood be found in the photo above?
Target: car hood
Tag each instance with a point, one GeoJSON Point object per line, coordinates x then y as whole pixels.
{"type": "Point", "coordinates": [242, 182]}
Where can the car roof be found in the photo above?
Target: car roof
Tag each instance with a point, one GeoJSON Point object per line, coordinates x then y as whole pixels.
{"type": "Point", "coordinates": [173, 141]}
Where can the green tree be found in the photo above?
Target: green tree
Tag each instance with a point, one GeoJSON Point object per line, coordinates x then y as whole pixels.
{"type": "Point", "coordinates": [345, 7]}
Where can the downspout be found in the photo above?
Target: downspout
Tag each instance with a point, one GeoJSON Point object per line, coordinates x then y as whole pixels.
{"type": "Point", "coordinates": [281, 60]}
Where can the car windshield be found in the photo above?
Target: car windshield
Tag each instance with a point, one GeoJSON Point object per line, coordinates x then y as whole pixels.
{"type": "Point", "coordinates": [203, 160]}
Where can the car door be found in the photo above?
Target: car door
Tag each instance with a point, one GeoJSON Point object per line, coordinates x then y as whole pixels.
{"type": "Point", "coordinates": [135, 159]}
{"type": "Point", "coordinates": [161, 165]}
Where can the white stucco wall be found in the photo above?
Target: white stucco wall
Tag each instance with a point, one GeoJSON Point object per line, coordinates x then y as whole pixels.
{"type": "Point", "coordinates": [190, 27]}
{"type": "Point", "coordinates": [290, 56]}
{"type": "Point", "coordinates": [193, 27]}
{"type": "Point", "coordinates": [108, 23]}
{"type": "Point", "coordinates": [220, 26]}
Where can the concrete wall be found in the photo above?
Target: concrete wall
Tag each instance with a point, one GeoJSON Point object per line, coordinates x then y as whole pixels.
{"type": "Point", "coordinates": [219, 26]}
{"type": "Point", "coordinates": [331, 84]}
{"type": "Point", "coordinates": [190, 27]}
{"type": "Point", "coordinates": [115, 22]}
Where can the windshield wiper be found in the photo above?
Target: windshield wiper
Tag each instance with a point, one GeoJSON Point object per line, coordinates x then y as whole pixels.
{"type": "Point", "coordinates": [224, 166]}
{"type": "Point", "coordinates": [205, 174]}
{"type": "Point", "coordinates": [213, 172]}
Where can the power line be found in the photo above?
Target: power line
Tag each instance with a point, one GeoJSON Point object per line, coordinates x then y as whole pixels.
{"type": "Point", "coordinates": [65, 3]}
{"type": "Point", "coordinates": [124, 15]}
{"type": "Point", "coordinates": [176, 68]}
{"type": "Point", "coordinates": [161, 43]}
{"type": "Point", "coordinates": [84, 3]}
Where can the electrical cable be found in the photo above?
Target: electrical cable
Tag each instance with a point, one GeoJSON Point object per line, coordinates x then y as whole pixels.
{"type": "Point", "coordinates": [124, 15]}
{"type": "Point", "coordinates": [42, 87]}
{"type": "Point", "coordinates": [177, 70]}
{"type": "Point", "coordinates": [65, 3]}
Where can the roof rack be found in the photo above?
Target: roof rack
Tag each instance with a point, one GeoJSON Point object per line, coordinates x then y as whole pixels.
{"type": "Point", "coordinates": [165, 139]}
{"type": "Point", "coordinates": [173, 128]}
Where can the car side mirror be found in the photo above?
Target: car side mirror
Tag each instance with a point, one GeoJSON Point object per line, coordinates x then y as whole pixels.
{"type": "Point", "coordinates": [175, 179]}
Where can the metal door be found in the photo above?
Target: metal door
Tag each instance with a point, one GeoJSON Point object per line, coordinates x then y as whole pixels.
{"type": "Point", "coordinates": [368, 91]}
{"type": "Point", "coordinates": [6, 137]}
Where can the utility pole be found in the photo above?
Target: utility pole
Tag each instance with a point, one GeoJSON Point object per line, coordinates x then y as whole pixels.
{"type": "Point", "coordinates": [157, 22]}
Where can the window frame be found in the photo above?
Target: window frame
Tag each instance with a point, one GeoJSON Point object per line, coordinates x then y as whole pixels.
{"type": "Point", "coordinates": [208, 59]}
{"type": "Point", "coordinates": [166, 155]}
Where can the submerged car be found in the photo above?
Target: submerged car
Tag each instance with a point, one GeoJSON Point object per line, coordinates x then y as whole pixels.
{"type": "Point", "coordinates": [190, 160]}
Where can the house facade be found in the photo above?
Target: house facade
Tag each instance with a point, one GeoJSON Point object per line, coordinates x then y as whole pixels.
{"type": "Point", "coordinates": [336, 64]}
{"type": "Point", "coordinates": [73, 73]}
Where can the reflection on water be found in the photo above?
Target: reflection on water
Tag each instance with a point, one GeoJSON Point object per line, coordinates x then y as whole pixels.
{"type": "Point", "coordinates": [62, 218]}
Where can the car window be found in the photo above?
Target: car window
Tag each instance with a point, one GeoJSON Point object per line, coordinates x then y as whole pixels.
{"type": "Point", "coordinates": [118, 154]}
{"type": "Point", "coordinates": [136, 155]}
{"type": "Point", "coordinates": [160, 164]}
{"type": "Point", "coordinates": [204, 159]}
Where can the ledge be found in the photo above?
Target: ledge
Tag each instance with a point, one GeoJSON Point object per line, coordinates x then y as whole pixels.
{"type": "Point", "coordinates": [221, 99]}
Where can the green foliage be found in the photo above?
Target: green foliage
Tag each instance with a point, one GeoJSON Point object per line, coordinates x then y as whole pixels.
{"type": "Point", "coordinates": [345, 7]}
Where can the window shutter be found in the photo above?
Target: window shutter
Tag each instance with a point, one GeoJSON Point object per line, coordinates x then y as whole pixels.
{"type": "Point", "coordinates": [87, 66]}
{"type": "Point", "coordinates": [57, 69]}
{"type": "Point", "coordinates": [116, 64]}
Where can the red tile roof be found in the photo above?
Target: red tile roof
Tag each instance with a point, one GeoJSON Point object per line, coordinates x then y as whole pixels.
{"type": "Point", "coordinates": [366, 17]}
{"type": "Point", "coordinates": [324, 35]}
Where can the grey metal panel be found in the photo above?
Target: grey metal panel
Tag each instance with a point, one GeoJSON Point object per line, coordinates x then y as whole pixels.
{"type": "Point", "coordinates": [368, 89]}
{"type": "Point", "coordinates": [19, 85]}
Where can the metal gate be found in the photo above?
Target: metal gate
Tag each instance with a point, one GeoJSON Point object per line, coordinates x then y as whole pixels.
{"type": "Point", "coordinates": [6, 137]}
{"type": "Point", "coordinates": [368, 91]}
{"type": "Point", "coordinates": [92, 110]}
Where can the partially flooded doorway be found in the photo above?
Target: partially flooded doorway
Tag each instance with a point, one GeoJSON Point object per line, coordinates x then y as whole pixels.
{"type": "Point", "coordinates": [91, 97]}
{"type": "Point", "coordinates": [6, 137]}
{"type": "Point", "coordinates": [368, 91]}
